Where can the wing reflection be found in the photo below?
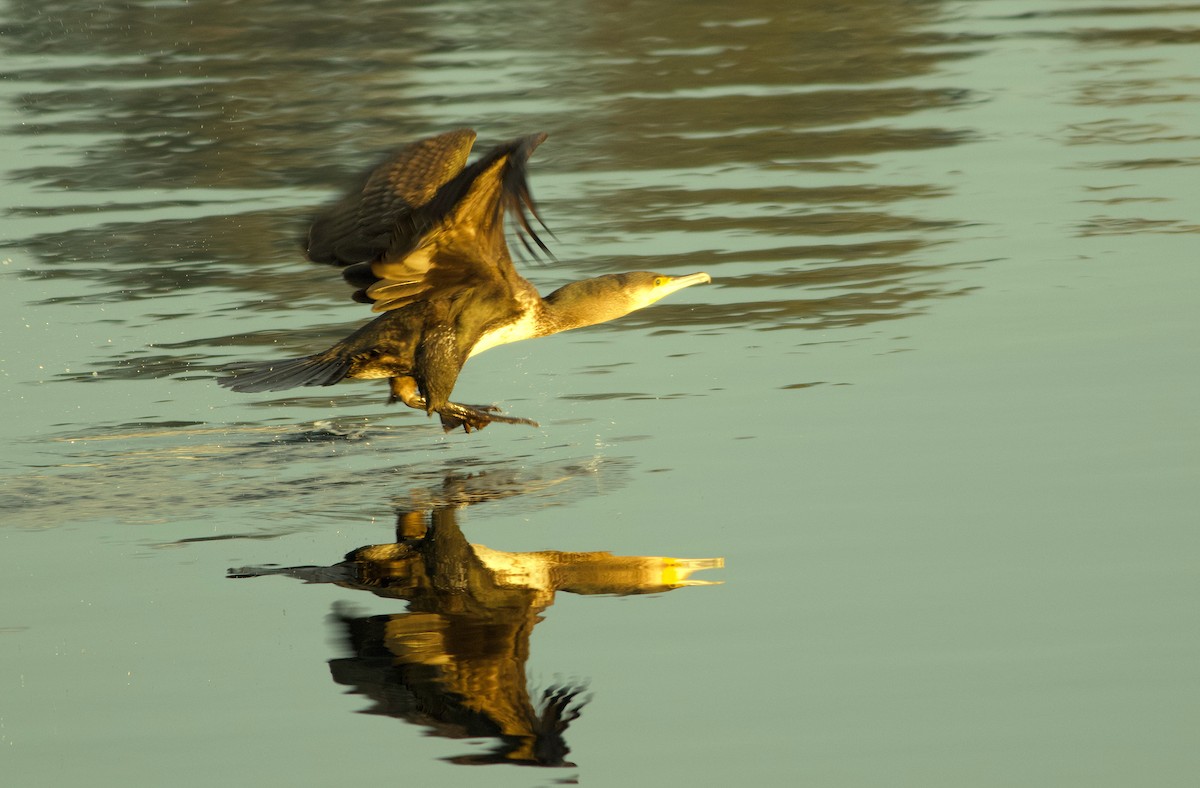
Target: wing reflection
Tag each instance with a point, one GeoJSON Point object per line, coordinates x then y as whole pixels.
{"type": "Point", "coordinates": [455, 661]}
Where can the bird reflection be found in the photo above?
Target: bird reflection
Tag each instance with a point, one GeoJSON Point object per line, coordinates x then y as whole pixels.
{"type": "Point", "coordinates": [455, 661]}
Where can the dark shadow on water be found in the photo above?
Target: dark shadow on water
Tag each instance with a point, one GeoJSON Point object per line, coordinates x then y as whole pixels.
{"type": "Point", "coordinates": [455, 661]}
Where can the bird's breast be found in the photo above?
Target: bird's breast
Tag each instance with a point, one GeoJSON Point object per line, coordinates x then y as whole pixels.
{"type": "Point", "coordinates": [526, 326]}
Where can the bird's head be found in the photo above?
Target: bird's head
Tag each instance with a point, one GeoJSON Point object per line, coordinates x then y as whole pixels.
{"type": "Point", "coordinates": [608, 297]}
{"type": "Point", "coordinates": [646, 287]}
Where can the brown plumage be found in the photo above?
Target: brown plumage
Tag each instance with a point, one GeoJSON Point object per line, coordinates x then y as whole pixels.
{"type": "Point", "coordinates": [421, 237]}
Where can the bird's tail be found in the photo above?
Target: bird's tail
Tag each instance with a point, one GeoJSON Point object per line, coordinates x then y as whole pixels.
{"type": "Point", "coordinates": [322, 369]}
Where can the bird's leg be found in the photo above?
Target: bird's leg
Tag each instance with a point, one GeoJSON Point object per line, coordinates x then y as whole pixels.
{"type": "Point", "coordinates": [405, 390]}
{"type": "Point", "coordinates": [452, 414]}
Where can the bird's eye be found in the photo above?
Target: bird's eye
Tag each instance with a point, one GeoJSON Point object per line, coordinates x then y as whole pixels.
{"type": "Point", "coordinates": [659, 281]}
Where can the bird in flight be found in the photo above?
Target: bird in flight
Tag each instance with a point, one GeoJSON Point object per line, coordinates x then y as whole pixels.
{"type": "Point", "coordinates": [421, 238]}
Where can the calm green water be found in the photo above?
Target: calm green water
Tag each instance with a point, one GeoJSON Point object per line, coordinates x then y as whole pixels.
{"type": "Point", "coordinates": [937, 413]}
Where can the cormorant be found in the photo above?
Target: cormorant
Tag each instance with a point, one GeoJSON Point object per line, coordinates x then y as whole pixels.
{"type": "Point", "coordinates": [422, 238]}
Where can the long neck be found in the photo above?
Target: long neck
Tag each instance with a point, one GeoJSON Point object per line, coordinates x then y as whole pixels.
{"type": "Point", "coordinates": [585, 303]}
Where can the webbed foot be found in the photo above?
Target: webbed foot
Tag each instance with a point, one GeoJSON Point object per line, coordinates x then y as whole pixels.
{"type": "Point", "coordinates": [475, 417]}
{"type": "Point", "coordinates": [453, 415]}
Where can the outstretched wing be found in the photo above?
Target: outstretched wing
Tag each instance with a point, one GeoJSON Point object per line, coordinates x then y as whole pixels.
{"type": "Point", "coordinates": [361, 226]}
{"type": "Point", "coordinates": [456, 240]}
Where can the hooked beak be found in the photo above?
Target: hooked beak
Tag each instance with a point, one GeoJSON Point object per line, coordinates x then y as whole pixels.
{"type": "Point", "coordinates": [680, 282]}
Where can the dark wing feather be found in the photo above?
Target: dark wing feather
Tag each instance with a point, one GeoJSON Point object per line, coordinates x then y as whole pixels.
{"type": "Point", "coordinates": [456, 240]}
{"type": "Point", "coordinates": [361, 226]}
{"type": "Point", "coordinates": [322, 369]}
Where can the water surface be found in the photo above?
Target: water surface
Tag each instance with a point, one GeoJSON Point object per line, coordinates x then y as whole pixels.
{"type": "Point", "coordinates": [936, 413]}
